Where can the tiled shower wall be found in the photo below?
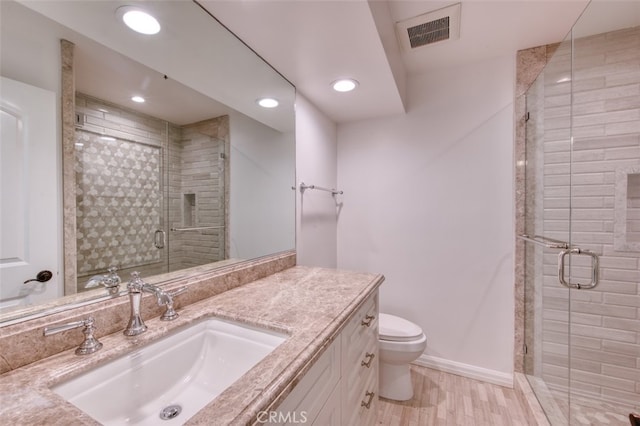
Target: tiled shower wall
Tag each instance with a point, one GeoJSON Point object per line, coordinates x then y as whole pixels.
{"type": "Point", "coordinates": [600, 108]}
{"type": "Point", "coordinates": [632, 204]}
{"type": "Point", "coordinates": [120, 187]}
{"type": "Point", "coordinates": [197, 193]}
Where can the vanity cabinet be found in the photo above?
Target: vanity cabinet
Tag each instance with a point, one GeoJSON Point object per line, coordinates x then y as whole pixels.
{"type": "Point", "coordinates": [308, 403]}
{"type": "Point", "coordinates": [327, 363]}
{"type": "Point", "coordinates": [341, 388]}
{"type": "Point", "coordinates": [359, 379]}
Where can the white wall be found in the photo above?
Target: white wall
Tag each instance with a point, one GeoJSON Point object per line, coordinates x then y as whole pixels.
{"type": "Point", "coordinates": [262, 172]}
{"type": "Point", "coordinates": [316, 163]}
{"type": "Point", "coordinates": [428, 203]}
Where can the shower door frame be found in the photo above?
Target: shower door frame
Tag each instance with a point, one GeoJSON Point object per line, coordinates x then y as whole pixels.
{"type": "Point", "coordinates": [545, 301]}
{"type": "Point", "coordinates": [530, 65]}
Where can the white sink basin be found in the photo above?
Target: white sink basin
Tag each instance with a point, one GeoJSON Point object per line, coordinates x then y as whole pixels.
{"type": "Point", "coordinates": [187, 369]}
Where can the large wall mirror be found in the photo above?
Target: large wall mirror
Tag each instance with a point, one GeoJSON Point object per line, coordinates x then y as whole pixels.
{"type": "Point", "coordinates": [199, 175]}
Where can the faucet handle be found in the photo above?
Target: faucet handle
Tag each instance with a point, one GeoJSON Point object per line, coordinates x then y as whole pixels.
{"type": "Point", "coordinates": [170, 313]}
{"type": "Point", "coordinates": [90, 343]}
{"type": "Point", "coordinates": [136, 283]}
{"type": "Point", "coordinates": [113, 274]}
{"type": "Point", "coordinates": [112, 281]}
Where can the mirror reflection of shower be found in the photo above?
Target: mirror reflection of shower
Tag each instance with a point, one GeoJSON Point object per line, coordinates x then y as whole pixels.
{"type": "Point", "coordinates": [150, 195]}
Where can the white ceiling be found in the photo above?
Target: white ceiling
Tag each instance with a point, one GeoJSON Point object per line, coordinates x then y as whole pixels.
{"type": "Point", "coordinates": [313, 42]}
{"type": "Point", "coordinates": [108, 75]}
{"type": "Point", "coordinates": [234, 77]}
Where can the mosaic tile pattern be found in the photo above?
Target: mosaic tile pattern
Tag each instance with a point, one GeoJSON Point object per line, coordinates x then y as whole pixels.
{"type": "Point", "coordinates": [192, 166]}
{"type": "Point", "coordinates": [118, 198]}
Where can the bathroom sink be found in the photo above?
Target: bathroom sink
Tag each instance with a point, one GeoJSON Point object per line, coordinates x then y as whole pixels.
{"type": "Point", "coordinates": [172, 378]}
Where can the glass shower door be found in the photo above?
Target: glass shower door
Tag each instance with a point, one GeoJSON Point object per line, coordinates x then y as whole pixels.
{"type": "Point", "coordinates": [197, 188]}
{"type": "Point", "coordinates": [582, 285]}
{"type": "Point", "coordinates": [548, 231]}
{"type": "Point", "coordinates": [605, 206]}
{"type": "Point", "coordinates": [119, 205]}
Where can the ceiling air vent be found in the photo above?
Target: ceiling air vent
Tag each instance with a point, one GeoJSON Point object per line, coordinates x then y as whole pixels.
{"type": "Point", "coordinates": [433, 27]}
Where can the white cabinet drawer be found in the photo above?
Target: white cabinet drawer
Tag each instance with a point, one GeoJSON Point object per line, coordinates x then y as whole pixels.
{"type": "Point", "coordinates": [360, 405]}
{"type": "Point", "coordinates": [359, 381]}
{"type": "Point", "coordinates": [341, 388]}
{"type": "Point", "coordinates": [331, 413]}
{"type": "Point", "coordinates": [361, 376]}
{"type": "Point", "coordinates": [361, 330]}
{"type": "Point", "coordinates": [307, 399]}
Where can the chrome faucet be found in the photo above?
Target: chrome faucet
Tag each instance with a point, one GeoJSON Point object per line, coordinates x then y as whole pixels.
{"type": "Point", "coordinates": [110, 281]}
{"type": "Point", "coordinates": [136, 287]}
{"type": "Point", "coordinates": [89, 345]}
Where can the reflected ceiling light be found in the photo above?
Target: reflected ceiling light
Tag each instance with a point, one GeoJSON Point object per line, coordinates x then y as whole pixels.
{"type": "Point", "coordinates": [108, 138]}
{"type": "Point", "coordinates": [138, 99]}
{"type": "Point", "coordinates": [268, 102]}
{"type": "Point", "coordinates": [564, 80]}
{"type": "Point", "coordinates": [139, 20]}
{"type": "Point", "coordinates": [344, 85]}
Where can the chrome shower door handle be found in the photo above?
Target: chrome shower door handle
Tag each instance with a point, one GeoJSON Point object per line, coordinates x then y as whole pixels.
{"type": "Point", "coordinates": [159, 238]}
{"type": "Point", "coordinates": [595, 266]}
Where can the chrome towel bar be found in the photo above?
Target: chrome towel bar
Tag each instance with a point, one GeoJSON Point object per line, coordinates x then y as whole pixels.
{"type": "Point", "coordinates": [197, 228]}
{"type": "Point", "coordinates": [304, 186]}
{"type": "Point", "coordinates": [544, 241]}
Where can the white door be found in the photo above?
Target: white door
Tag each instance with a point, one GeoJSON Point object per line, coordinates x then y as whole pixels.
{"type": "Point", "coordinates": [28, 201]}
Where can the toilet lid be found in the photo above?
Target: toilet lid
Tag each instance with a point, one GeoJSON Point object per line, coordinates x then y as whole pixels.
{"type": "Point", "coordinates": [397, 329]}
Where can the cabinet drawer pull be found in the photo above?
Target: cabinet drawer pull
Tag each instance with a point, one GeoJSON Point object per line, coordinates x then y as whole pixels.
{"type": "Point", "coordinates": [367, 320]}
{"type": "Point", "coordinates": [368, 363]}
{"type": "Point", "coordinates": [367, 404]}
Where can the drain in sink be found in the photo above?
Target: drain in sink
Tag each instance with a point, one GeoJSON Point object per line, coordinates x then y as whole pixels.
{"type": "Point", "coordinates": [170, 412]}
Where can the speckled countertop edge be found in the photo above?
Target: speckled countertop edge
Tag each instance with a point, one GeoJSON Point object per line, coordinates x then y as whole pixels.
{"type": "Point", "coordinates": [23, 343]}
{"type": "Point", "coordinates": [311, 305]}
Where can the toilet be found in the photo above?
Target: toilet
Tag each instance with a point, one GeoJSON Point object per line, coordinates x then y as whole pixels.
{"type": "Point", "coordinates": [400, 342]}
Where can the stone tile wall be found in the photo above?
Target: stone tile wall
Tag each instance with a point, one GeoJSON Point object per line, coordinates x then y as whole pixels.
{"type": "Point", "coordinates": [197, 193]}
{"type": "Point", "coordinates": [572, 196]}
{"type": "Point", "coordinates": [633, 207]}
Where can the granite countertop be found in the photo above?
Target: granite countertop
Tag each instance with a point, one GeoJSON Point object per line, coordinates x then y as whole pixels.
{"type": "Point", "coordinates": [308, 304]}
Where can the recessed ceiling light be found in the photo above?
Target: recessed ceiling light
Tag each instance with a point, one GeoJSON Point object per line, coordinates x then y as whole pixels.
{"type": "Point", "coordinates": [268, 102]}
{"type": "Point", "coordinates": [138, 20]}
{"type": "Point", "coordinates": [344, 85]}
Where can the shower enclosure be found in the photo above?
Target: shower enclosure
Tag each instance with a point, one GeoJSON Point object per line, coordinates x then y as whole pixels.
{"type": "Point", "coordinates": [150, 195]}
{"type": "Point", "coordinates": [582, 222]}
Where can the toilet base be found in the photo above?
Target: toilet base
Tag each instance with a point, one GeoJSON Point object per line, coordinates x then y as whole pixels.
{"type": "Point", "coordinates": [395, 382]}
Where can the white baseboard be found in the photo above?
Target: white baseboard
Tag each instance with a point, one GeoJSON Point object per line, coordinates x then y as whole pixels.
{"type": "Point", "coordinates": [466, 370]}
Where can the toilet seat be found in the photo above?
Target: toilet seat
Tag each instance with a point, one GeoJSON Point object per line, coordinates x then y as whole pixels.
{"type": "Point", "coordinates": [396, 329]}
